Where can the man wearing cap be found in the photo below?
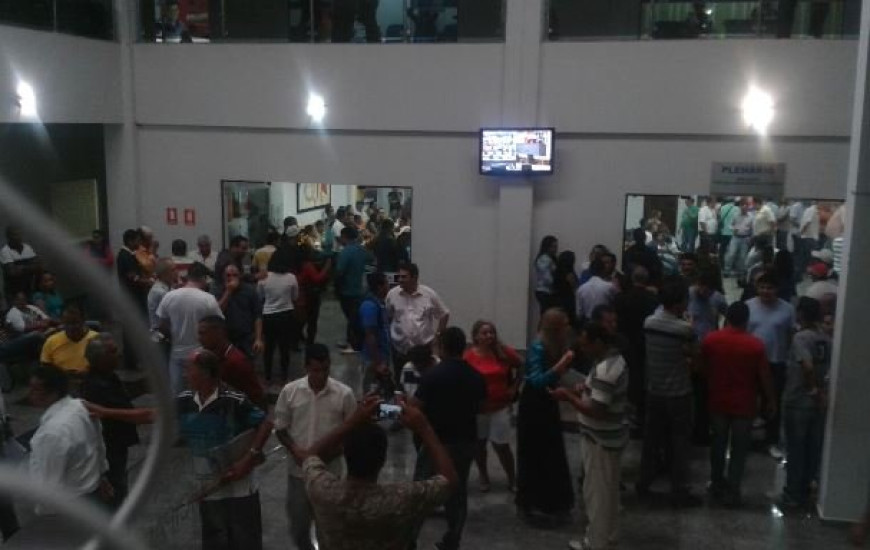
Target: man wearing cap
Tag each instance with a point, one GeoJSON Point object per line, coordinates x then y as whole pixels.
{"type": "Point", "coordinates": [823, 288]}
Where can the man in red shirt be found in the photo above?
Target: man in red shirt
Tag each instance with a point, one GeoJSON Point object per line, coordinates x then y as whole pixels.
{"type": "Point", "coordinates": [735, 364]}
{"type": "Point", "coordinates": [236, 369]}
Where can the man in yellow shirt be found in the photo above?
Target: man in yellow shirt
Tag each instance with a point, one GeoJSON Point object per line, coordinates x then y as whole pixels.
{"type": "Point", "coordinates": [66, 349]}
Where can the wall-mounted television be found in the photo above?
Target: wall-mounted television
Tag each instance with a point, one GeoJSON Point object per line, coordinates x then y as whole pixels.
{"type": "Point", "coordinates": [516, 151]}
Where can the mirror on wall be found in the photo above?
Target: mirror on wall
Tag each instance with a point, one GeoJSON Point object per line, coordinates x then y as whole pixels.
{"type": "Point", "coordinates": [254, 208]}
{"type": "Point", "coordinates": [739, 237]}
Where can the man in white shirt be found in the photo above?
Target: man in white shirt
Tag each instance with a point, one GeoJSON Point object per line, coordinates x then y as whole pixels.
{"type": "Point", "coordinates": [204, 254]}
{"type": "Point", "coordinates": [764, 225]}
{"type": "Point", "coordinates": [179, 314]}
{"type": "Point", "coordinates": [337, 225]}
{"type": "Point", "coordinates": [795, 214]}
{"type": "Point", "coordinates": [67, 448]}
{"type": "Point", "coordinates": [809, 238]}
{"type": "Point", "coordinates": [594, 292]}
{"type": "Point", "coordinates": [19, 262]}
{"type": "Point", "coordinates": [307, 410]}
{"type": "Point", "coordinates": [27, 323]}
{"type": "Point", "coordinates": [417, 315]}
{"type": "Point", "coordinates": [708, 224]}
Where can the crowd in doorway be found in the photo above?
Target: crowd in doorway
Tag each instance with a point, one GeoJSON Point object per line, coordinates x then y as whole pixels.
{"type": "Point", "coordinates": [687, 366]}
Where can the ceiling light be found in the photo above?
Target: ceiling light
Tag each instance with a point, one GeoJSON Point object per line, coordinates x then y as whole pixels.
{"type": "Point", "coordinates": [316, 109]}
{"type": "Point", "coordinates": [758, 110]}
{"type": "Point", "coordinates": [26, 99]}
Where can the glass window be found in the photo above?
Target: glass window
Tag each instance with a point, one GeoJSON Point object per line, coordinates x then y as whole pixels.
{"type": "Point", "coordinates": [89, 18]}
{"type": "Point", "coordinates": [673, 19]}
{"type": "Point", "coordinates": [338, 21]}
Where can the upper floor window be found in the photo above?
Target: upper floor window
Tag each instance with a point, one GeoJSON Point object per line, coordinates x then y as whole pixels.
{"type": "Point", "coordinates": [337, 21]}
{"type": "Point", "coordinates": [673, 19]}
{"type": "Point", "coordinates": [89, 18]}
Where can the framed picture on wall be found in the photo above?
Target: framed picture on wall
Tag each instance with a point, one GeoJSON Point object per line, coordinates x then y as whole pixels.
{"type": "Point", "coordinates": [311, 196]}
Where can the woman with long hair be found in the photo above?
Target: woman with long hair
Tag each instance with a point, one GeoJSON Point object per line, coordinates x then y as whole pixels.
{"type": "Point", "coordinates": [279, 290]}
{"type": "Point", "coordinates": [545, 265]}
{"type": "Point", "coordinates": [565, 284]}
{"type": "Point", "coordinates": [499, 365]}
{"type": "Point", "coordinates": [544, 493]}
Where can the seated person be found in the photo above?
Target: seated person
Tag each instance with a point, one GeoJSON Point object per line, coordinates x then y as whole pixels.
{"type": "Point", "coordinates": [25, 326]}
{"type": "Point", "coordinates": [47, 298]}
{"type": "Point", "coordinates": [66, 349]}
{"type": "Point", "coordinates": [19, 262]}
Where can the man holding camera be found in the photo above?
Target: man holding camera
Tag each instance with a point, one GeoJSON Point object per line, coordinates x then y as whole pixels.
{"type": "Point", "coordinates": [359, 513]}
{"type": "Point", "coordinates": [308, 409]}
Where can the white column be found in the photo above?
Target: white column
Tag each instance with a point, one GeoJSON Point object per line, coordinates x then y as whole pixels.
{"type": "Point", "coordinates": [522, 61]}
{"type": "Point", "coordinates": [846, 462]}
{"type": "Point", "coordinates": [121, 146]}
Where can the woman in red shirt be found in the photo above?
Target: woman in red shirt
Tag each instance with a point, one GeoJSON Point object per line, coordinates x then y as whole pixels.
{"type": "Point", "coordinates": [311, 282]}
{"type": "Point", "coordinates": [499, 365]}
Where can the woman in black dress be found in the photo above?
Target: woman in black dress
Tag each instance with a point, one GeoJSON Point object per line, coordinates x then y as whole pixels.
{"type": "Point", "coordinates": [544, 493]}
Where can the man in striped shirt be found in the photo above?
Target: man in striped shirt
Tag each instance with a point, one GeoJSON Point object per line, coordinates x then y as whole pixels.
{"type": "Point", "coordinates": [601, 404]}
{"type": "Point", "coordinates": [670, 347]}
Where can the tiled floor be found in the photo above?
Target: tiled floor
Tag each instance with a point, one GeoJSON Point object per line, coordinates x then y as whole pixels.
{"type": "Point", "coordinates": [492, 521]}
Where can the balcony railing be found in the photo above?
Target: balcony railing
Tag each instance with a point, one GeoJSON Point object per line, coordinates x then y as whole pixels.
{"type": "Point", "coordinates": [318, 21]}
{"type": "Point", "coordinates": [670, 19]}
{"type": "Point", "coordinates": [88, 18]}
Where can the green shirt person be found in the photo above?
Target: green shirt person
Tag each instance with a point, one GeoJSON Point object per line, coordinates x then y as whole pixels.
{"type": "Point", "coordinates": [689, 225]}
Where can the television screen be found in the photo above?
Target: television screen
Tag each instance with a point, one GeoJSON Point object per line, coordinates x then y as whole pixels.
{"type": "Point", "coordinates": [516, 151]}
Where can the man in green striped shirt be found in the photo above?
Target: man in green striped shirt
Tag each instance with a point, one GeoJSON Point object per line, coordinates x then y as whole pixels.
{"type": "Point", "coordinates": [601, 404]}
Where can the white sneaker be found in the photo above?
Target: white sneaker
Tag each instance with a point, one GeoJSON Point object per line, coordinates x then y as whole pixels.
{"type": "Point", "coordinates": [579, 545]}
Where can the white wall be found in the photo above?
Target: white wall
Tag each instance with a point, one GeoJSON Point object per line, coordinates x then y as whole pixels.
{"type": "Point", "coordinates": [366, 86]}
{"type": "Point", "coordinates": [696, 86]}
{"type": "Point", "coordinates": [74, 79]}
{"type": "Point", "coordinates": [454, 216]}
{"type": "Point", "coordinates": [667, 87]}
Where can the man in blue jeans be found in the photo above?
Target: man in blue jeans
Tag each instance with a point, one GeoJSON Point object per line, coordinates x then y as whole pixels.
{"type": "Point", "coordinates": [450, 395]}
{"type": "Point", "coordinates": [735, 365]}
{"type": "Point", "coordinates": [805, 403]}
{"type": "Point", "coordinates": [376, 328]}
{"type": "Point", "coordinates": [738, 246]}
{"type": "Point", "coordinates": [350, 270]}
{"type": "Point", "coordinates": [772, 319]}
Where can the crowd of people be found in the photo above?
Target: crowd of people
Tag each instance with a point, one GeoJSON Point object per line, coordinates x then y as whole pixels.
{"type": "Point", "coordinates": [639, 353]}
{"type": "Point", "coordinates": [685, 367]}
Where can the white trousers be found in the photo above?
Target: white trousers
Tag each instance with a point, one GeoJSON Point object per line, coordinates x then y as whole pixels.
{"type": "Point", "coordinates": [601, 469]}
